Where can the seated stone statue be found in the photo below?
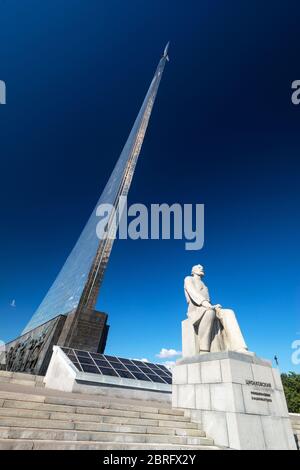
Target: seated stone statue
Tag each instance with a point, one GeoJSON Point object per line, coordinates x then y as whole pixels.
{"type": "Point", "coordinates": [209, 328]}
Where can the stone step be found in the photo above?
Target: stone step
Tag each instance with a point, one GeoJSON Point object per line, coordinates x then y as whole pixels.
{"type": "Point", "coordinates": [165, 417]}
{"type": "Point", "coordinates": [97, 418]}
{"type": "Point", "coordinates": [174, 431]}
{"type": "Point", "coordinates": [92, 404]}
{"type": "Point", "coordinates": [18, 382]}
{"type": "Point", "coordinates": [150, 422]}
{"type": "Point", "coordinates": [22, 397]}
{"type": "Point", "coordinates": [11, 412]}
{"type": "Point", "coordinates": [79, 415]}
{"type": "Point", "coordinates": [295, 416]}
{"type": "Point", "coordinates": [26, 432]}
{"type": "Point", "coordinates": [54, 412]}
{"type": "Point", "coordinates": [17, 375]}
{"type": "Point", "coordinates": [25, 418]}
{"type": "Point", "coordinates": [41, 421]}
{"type": "Point", "coordinates": [20, 378]}
{"type": "Point", "coordinates": [22, 409]}
{"type": "Point", "coordinates": [104, 436]}
{"type": "Point", "coordinates": [20, 375]}
{"type": "Point", "coordinates": [9, 421]}
{"type": "Point", "coordinates": [29, 405]}
{"type": "Point", "coordinates": [4, 379]}
{"type": "Point", "coordinates": [15, 444]}
{"type": "Point", "coordinates": [133, 412]}
{"type": "Point", "coordinates": [145, 422]}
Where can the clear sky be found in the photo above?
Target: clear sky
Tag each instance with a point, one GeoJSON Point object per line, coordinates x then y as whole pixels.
{"type": "Point", "coordinates": [223, 132]}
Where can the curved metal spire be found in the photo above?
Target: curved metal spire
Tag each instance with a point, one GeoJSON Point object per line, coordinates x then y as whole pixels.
{"type": "Point", "coordinates": [78, 283]}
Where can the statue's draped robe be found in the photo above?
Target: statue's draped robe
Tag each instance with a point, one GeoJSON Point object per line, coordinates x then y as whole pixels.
{"type": "Point", "coordinates": [225, 333]}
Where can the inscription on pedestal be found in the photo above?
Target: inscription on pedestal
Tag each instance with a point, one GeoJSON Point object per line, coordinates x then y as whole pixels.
{"type": "Point", "coordinates": [260, 396]}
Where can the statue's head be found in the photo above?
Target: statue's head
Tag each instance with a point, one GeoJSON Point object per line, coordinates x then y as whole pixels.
{"type": "Point", "coordinates": [198, 270]}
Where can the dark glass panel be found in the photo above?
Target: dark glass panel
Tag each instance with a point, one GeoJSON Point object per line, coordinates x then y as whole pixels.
{"type": "Point", "coordinates": [145, 370]}
{"type": "Point", "coordinates": [132, 368]}
{"type": "Point", "coordinates": [102, 363]}
{"type": "Point", "coordinates": [164, 368]}
{"type": "Point", "coordinates": [111, 358]}
{"type": "Point", "coordinates": [125, 361]}
{"type": "Point", "coordinates": [96, 356]}
{"type": "Point", "coordinates": [138, 363]}
{"type": "Point", "coordinates": [86, 360]}
{"type": "Point", "coordinates": [125, 374]}
{"type": "Point", "coordinates": [140, 376]}
{"type": "Point", "coordinates": [72, 357]}
{"type": "Point", "coordinates": [168, 379]}
{"type": "Point", "coordinates": [88, 368]}
{"type": "Point", "coordinates": [108, 371]}
{"type": "Point", "coordinates": [119, 366]}
{"type": "Point", "coordinates": [81, 353]}
{"type": "Point", "coordinates": [159, 372]}
{"type": "Point", "coordinates": [156, 378]}
{"type": "Point", "coordinates": [153, 366]}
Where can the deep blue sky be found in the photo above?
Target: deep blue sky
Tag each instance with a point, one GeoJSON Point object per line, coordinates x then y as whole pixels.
{"type": "Point", "coordinates": [223, 132]}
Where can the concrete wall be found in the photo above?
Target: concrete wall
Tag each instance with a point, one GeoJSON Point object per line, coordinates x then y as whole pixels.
{"type": "Point", "coordinates": [295, 419]}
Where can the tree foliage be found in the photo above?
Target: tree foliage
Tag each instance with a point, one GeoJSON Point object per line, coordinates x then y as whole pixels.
{"type": "Point", "coordinates": [291, 385]}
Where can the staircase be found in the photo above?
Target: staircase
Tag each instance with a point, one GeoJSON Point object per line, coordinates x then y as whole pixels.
{"type": "Point", "coordinates": [295, 419]}
{"type": "Point", "coordinates": [19, 378]}
{"type": "Point", "coordinates": [34, 418]}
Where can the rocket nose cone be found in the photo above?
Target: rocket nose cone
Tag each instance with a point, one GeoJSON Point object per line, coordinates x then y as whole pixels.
{"type": "Point", "coordinates": [166, 48]}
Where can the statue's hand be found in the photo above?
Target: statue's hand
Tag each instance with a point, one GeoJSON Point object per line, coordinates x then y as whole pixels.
{"type": "Point", "coordinates": [217, 306]}
{"type": "Point", "coordinates": [218, 310]}
{"type": "Point", "coordinates": [206, 304]}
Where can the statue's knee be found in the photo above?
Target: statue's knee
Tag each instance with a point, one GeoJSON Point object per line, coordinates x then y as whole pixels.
{"type": "Point", "coordinates": [210, 315]}
{"type": "Point", "coordinates": [228, 313]}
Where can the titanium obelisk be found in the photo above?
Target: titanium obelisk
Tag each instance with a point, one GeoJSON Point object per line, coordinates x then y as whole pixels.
{"type": "Point", "coordinates": [74, 293]}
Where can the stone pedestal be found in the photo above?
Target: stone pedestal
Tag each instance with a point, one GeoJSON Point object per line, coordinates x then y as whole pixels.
{"type": "Point", "coordinates": [238, 399]}
{"type": "Point", "coordinates": [86, 330]}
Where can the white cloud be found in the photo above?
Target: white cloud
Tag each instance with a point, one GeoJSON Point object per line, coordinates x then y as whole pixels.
{"type": "Point", "coordinates": [144, 359]}
{"type": "Point", "coordinates": [13, 303]}
{"type": "Point", "coordinates": [164, 353]}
